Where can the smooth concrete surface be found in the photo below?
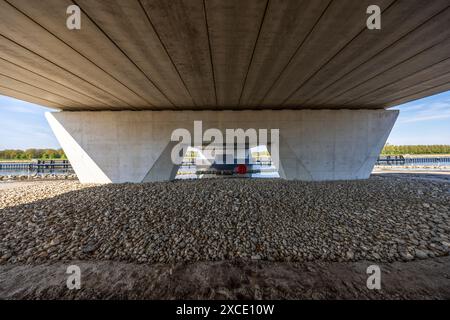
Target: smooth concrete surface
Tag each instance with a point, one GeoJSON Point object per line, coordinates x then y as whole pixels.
{"type": "Point", "coordinates": [163, 169]}
{"type": "Point", "coordinates": [223, 54]}
{"type": "Point", "coordinates": [135, 146]}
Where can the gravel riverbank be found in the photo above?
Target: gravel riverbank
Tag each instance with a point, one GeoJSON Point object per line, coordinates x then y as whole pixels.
{"type": "Point", "coordinates": [382, 219]}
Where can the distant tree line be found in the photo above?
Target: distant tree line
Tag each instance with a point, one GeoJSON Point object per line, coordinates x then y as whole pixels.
{"type": "Point", "coordinates": [32, 154]}
{"type": "Point", "coordinates": [390, 149]}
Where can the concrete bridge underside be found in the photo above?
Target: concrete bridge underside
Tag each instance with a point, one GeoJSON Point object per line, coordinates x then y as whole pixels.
{"type": "Point", "coordinates": [215, 55]}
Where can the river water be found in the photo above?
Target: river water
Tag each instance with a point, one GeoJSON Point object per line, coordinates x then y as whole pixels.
{"type": "Point", "coordinates": [422, 162]}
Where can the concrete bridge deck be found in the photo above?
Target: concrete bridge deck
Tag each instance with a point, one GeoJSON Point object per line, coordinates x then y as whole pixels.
{"type": "Point", "coordinates": [214, 54]}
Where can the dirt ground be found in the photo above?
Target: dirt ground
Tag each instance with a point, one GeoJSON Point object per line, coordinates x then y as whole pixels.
{"type": "Point", "coordinates": [236, 279]}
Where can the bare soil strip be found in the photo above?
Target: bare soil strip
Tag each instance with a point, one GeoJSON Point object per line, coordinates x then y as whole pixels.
{"type": "Point", "coordinates": [234, 279]}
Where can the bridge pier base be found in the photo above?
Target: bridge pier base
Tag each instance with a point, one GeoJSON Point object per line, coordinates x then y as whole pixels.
{"type": "Point", "coordinates": [135, 146]}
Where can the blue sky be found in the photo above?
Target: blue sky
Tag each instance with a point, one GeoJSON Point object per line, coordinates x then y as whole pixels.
{"type": "Point", "coordinates": [23, 125]}
{"type": "Point", "coordinates": [425, 121]}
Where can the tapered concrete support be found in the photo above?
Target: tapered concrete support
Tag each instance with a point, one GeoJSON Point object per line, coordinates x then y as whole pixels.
{"type": "Point", "coordinates": [135, 146]}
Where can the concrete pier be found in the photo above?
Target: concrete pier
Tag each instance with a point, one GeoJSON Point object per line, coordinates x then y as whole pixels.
{"type": "Point", "coordinates": [135, 146]}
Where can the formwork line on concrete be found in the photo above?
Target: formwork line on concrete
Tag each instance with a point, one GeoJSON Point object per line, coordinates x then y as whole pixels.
{"type": "Point", "coordinates": [329, 60]}
{"type": "Point", "coordinates": [399, 63]}
{"type": "Point", "coordinates": [313, 94]}
{"type": "Point", "coordinates": [166, 51]}
{"type": "Point", "coordinates": [395, 82]}
{"type": "Point", "coordinates": [82, 55]}
{"type": "Point", "coordinates": [253, 51]}
{"type": "Point", "coordinates": [125, 54]}
{"type": "Point", "coordinates": [445, 86]}
{"type": "Point", "coordinates": [66, 70]}
{"type": "Point", "coordinates": [295, 52]}
{"type": "Point", "coordinates": [390, 68]}
{"type": "Point", "coordinates": [52, 80]}
{"type": "Point", "coordinates": [31, 85]}
{"type": "Point", "coordinates": [35, 97]}
{"type": "Point", "coordinates": [205, 14]}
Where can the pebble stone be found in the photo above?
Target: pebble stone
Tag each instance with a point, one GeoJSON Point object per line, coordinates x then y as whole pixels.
{"type": "Point", "coordinates": [37, 177]}
{"type": "Point", "coordinates": [381, 219]}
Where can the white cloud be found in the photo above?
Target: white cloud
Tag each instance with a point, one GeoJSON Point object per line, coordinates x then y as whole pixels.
{"type": "Point", "coordinates": [425, 112]}
{"type": "Point", "coordinates": [13, 105]}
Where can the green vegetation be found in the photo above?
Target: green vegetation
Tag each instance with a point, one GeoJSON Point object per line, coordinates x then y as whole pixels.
{"type": "Point", "coordinates": [390, 149]}
{"type": "Point", "coordinates": [32, 154]}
